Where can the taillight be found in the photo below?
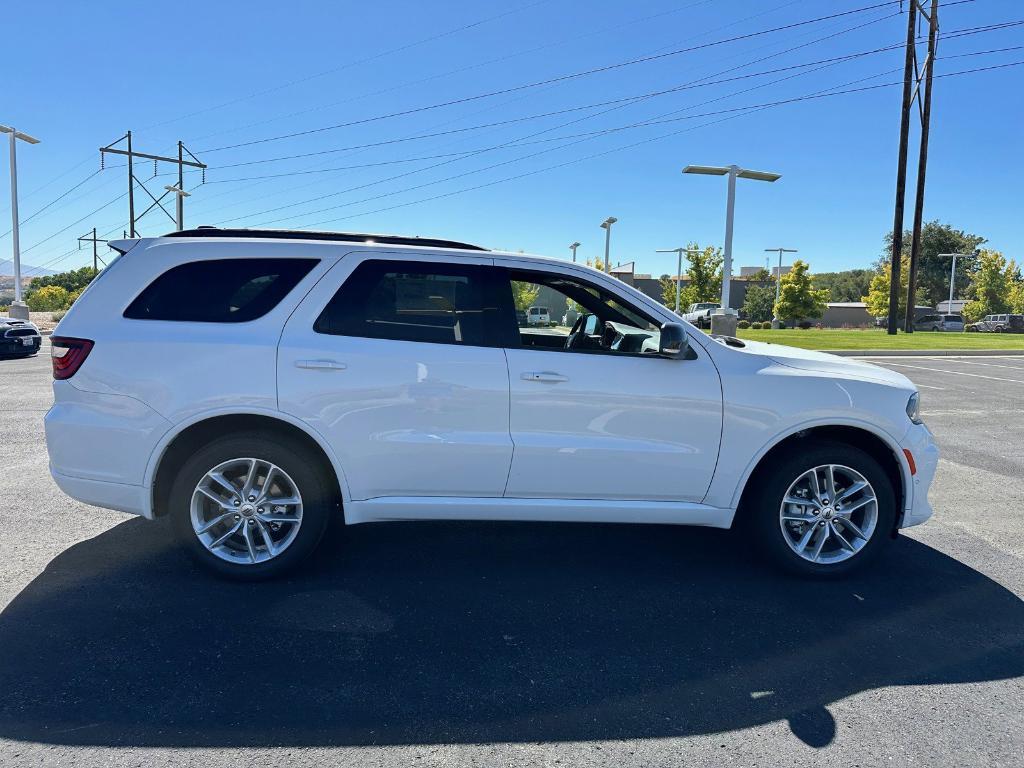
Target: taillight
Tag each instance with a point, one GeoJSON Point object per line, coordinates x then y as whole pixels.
{"type": "Point", "coordinates": [67, 355]}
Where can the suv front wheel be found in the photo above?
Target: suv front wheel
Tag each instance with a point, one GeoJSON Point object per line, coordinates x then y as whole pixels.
{"type": "Point", "coordinates": [249, 507]}
{"type": "Point", "coordinates": [824, 511]}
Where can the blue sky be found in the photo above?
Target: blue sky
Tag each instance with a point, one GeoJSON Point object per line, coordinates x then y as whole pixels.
{"type": "Point", "coordinates": [216, 74]}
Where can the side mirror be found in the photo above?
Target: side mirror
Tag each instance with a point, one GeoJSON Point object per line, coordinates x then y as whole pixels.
{"type": "Point", "coordinates": [674, 341]}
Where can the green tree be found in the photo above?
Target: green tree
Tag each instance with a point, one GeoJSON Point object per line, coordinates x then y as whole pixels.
{"type": "Point", "coordinates": [877, 298]}
{"type": "Point", "coordinates": [798, 298]}
{"type": "Point", "coordinates": [703, 278]}
{"type": "Point", "coordinates": [70, 281]}
{"type": "Point", "coordinates": [759, 302]}
{"type": "Point", "coordinates": [932, 271]}
{"type": "Point", "coordinates": [1016, 297]}
{"type": "Point", "coordinates": [849, 285]}
{"type": "Point", "coordinates": [48, 298]}
{"type": "Point", "coordinates": [524, 294]}
{"type": "Point", "coordinates": [990, 292]}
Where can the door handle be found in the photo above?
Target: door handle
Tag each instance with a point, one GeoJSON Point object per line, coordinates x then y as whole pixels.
{"type": "Point", "coordinates": [542, 376]}
{"type": "Point", "coordinates": [321, 365]}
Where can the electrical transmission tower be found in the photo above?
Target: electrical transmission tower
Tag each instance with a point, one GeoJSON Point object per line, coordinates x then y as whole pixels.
{"type": "Point", "coordinates": [917, 85]}
{"type": "Point", "coordinates": [177, 190]}
{"type": "Point", "coordinates": [87, 238]}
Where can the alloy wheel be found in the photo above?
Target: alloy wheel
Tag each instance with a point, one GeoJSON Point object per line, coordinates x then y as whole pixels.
{"type": "Point", "coordinates": [246, 511]}
{"type": "Point", "coordinates": [829, 514]}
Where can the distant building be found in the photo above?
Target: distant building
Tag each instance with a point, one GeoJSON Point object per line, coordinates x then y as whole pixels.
{"type": "Point", "coordinates": [846, 314]}
{"type": "Point", "coordinates": [957, 306]}
{"type": "Point", "coordinates": [651, 286]}
{"type": "Point", "coordinates": [751, 271]}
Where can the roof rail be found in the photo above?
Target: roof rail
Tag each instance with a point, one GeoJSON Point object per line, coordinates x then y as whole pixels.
{"type": "Point", "coordinates": [342, 237]}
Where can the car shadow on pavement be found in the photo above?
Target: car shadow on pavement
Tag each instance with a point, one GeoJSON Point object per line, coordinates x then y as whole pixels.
{"type": "Point", "coordinates": [471, 633]}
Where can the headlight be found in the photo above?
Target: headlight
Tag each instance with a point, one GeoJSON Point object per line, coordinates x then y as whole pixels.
{"type": "Point", "coordinates": [914, 408]}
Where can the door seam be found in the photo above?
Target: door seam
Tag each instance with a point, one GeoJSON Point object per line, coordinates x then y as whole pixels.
{"type": "Point", "coordinates": [508, 376]}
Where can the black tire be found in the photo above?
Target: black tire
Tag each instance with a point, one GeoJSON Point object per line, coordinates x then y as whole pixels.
{"type": "Point", "coordinates": [303, 467]}
{"type": "Point", "coordinates": [763, 504]}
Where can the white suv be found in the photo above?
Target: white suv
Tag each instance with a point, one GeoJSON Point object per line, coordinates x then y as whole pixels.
{"type": "Point", "coordinates": [252, 385]}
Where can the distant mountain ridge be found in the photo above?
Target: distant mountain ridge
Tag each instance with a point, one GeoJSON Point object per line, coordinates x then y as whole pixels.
{"type": "Point", "coordinates": [27, 270]}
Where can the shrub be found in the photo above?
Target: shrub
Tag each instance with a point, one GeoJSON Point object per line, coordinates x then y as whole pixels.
{"type": "Point", "coordinates": [805, 324]}
{"type": "Point", "coordinates": [744, 324]}
{"type": "Point", "coordinates": [47, 298]}
{"type": "Point", "coordinates": [58, 316]}
{"type": "Point", "coordinates": [782, 325]}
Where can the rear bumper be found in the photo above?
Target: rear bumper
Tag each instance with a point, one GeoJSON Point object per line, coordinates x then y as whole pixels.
{"type": "Point", "coordinates": [921, 444]}
{"type": "Point", "coordinates": [132, 499]}
{"type": "Point", "coordinates": [99, 446]}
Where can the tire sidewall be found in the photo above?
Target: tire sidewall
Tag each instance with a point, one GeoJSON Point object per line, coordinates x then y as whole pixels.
{"type": "Point", "coordinates": [296, 460]}
{"type": "Point", "coordinates": [775, 481]}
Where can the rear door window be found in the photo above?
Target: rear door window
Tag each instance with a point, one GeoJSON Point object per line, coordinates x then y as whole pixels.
{"type": "Point", "coordinates": [435, 302]}
{"type": "Point", "coordinates": [219, 290]}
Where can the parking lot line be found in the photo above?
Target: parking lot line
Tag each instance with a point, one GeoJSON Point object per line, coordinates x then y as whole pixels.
{"type": "Point", "coordinates": [991, 365]}
{"type": "Point", "coordinates": [957, 373]}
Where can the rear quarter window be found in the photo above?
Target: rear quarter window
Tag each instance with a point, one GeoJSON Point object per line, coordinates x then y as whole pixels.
{"type": "Point", "coordinates": [219, 290]}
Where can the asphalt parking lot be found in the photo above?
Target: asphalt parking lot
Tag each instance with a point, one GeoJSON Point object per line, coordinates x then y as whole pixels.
{"type": "Point", "coordinates": [502, 644]}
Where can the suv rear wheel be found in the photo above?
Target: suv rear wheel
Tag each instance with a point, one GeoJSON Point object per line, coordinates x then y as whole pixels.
{"type": "Point", "coordinates": [824, 511]}
{"type": "Point", "coordinates": [249, 507]}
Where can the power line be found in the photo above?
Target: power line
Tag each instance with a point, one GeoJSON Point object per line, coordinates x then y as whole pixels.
{"type": "Point", "coordinates": [55, 200]}
{"type": "Point", "coordinates": [500, 104]}
{"type": "Point", "coordinates": [510, 121]}
{"type": "Point", "coordinates": [552, 80]}
{"type": "Point", "coordinates": [348, 65]}
{"type": "Point", "coordinates": [747, 110]}
{"type": "Point", "coordinates": [74, 223]}
{"type": "Point", "coordinates": [523, 52]}
{"type": "Point", "coordinates": [661, 119]}
{"type": "Point", "coordinates": [628, 101]}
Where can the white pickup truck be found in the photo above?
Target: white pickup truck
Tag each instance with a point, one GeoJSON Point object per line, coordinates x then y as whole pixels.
{"type": "Point", "coordinates": [699, 314]}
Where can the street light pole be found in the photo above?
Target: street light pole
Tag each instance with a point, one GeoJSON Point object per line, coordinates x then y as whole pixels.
{"type": "Point", "coordinates": [179, 209]}
{"type": "Point", "coordinates": [728, 327]}
{"type": "Point", "coordinates": [778, 283]}
{"type": "Point", "coordinates": [679, 267]}
{"type": "Point", "coordinates": [952, 273]}
{"type": "Point", "coordinates": [573, 248]}
{"type": "Point", "coordinates": [18, 308]}
{"type": "Point", "coordinates": [606, 225]}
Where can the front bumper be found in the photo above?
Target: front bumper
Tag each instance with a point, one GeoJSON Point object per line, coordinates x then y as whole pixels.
{"type": "Point", "coordinates": [13, 345]}
{"type": "Point", "coordinates": [921, 444]}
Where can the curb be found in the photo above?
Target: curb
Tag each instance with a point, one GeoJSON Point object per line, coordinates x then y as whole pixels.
{"type": "Point", "coordinates": [924, 352]}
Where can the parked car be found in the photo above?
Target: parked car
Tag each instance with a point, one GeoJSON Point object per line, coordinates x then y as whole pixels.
{"type": "Point", "coordinates": [538, 316]}
{"type": "Point", "coordinates": [999, 324]}
{"type": "Point", "coordinates": [520, 317]}
{"type": "Point", "coordinates": [939, 323]}
{"type": "Point", "coordinates": [570, 317]}
{"type": "Point", "coordinates": [379, 378]}
{"type": "Point", "coordinates": [699, 314]}
{"type": "Point", "coordinates": [18, 338]}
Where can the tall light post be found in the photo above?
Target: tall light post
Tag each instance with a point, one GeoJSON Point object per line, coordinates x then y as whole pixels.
{"type": "Point", "coordinates": [573, 248]}
{"type": "Point", "coordinates": [952, 273]}
{"type": "Point", "coordinates": [778, 283]}
{"type": "Point", "coordinates": [18, 308]}
{"type": "Point", "coordinates": [679, 267]}
{"type": "Point", "coordinates": [728, 327]}
{"type": "Point", "coordinates": [606, 225]}
{"type": "Point", "coordinates": [179, 207]}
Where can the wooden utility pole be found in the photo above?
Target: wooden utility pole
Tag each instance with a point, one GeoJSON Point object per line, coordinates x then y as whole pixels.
{"type": "Point", "coordinates": [901, 175]}
{"type": "Point", "coordinates": [922, 163]}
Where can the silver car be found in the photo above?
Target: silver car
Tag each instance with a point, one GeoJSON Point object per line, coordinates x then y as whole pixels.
{"type": "Point", "coordinates": [939, 323]}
